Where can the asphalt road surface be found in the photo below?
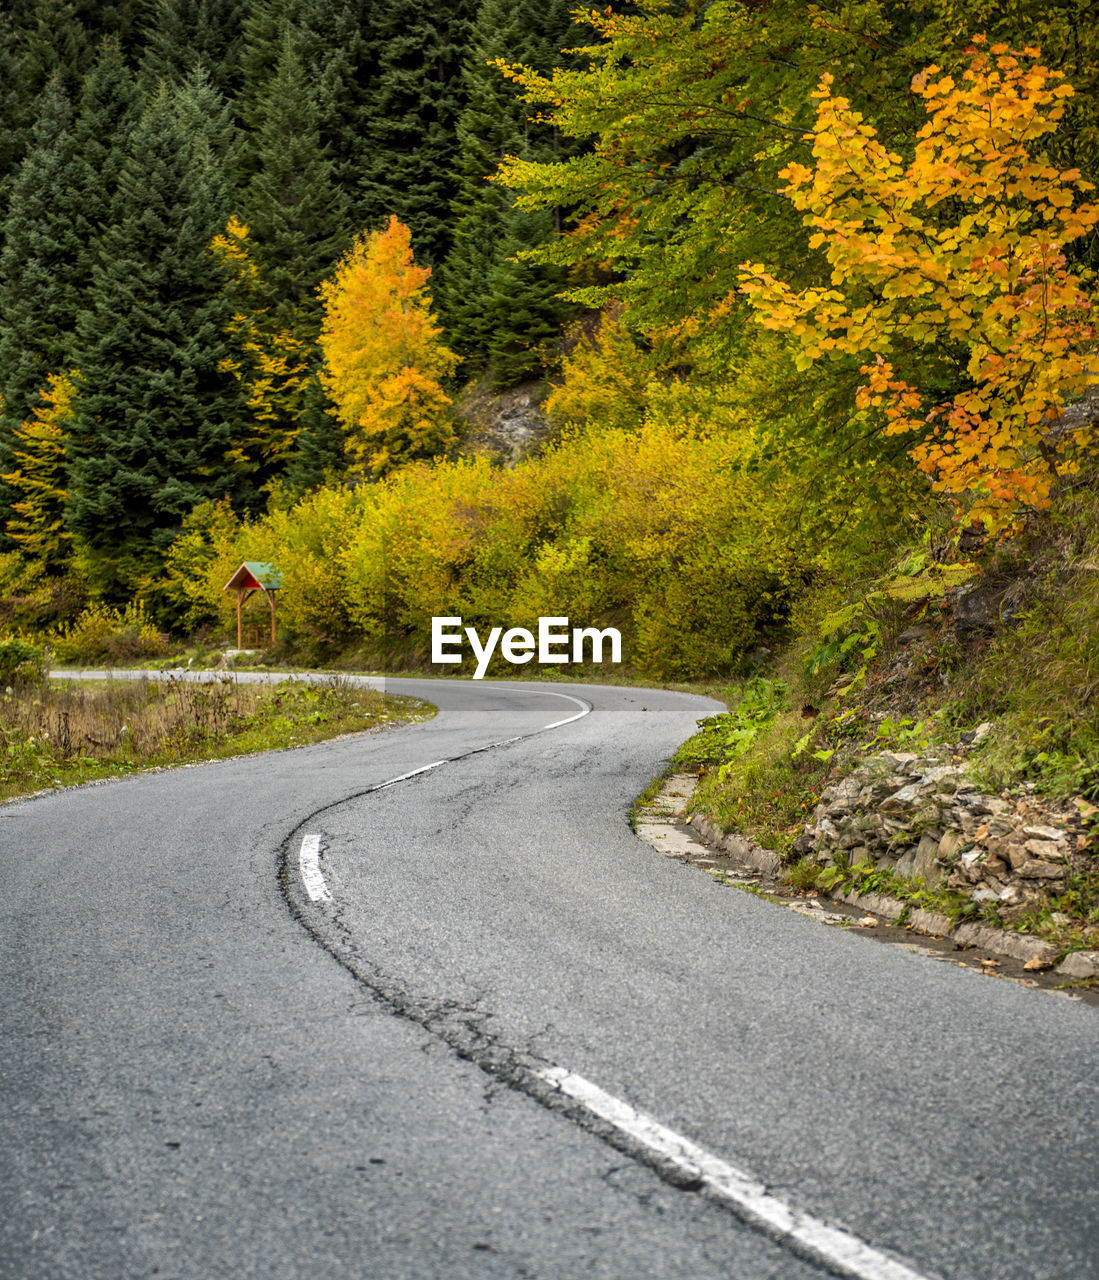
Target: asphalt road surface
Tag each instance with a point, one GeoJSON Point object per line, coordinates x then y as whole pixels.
{"type": "Point", "coordinates": [272, 1018]}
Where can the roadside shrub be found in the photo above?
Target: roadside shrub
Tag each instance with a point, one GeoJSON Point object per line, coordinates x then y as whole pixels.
{"type": "Point", "coordinates": [21, 663]}
{"type": "Point", "coordinates": [104, 634]}
{"type": "Point", "coordinates": [669, 532]}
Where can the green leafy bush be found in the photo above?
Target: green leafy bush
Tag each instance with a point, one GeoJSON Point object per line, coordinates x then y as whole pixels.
{"type": "Point", "coordinates": [21, 662]}
{"type": "Point", "coordinates": [729, 736]}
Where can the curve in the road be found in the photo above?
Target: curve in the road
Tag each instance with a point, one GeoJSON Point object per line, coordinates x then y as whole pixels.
{"type": "Point", "coordinates": [681, 1162]}
{"type": "Point", "coordinates": [502, 905]}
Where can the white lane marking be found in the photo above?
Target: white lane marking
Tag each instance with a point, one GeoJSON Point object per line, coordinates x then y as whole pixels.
{"type": "Point", "coordinates": [585, 708]}
{"type": "Point", "coordinates": [558, 723]}
{"type": "Point", "coordinates": [411, 774]}
{"type": "Point", "coordinates": [838, 1250]}
{"type": "Point", "coordinates": [309, 857]}
{"type": "Point", "coordinates": [309, 860]}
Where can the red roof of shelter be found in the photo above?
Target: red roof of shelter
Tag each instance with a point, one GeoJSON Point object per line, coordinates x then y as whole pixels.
{"type": "Point", "coordinates": [255, 575]}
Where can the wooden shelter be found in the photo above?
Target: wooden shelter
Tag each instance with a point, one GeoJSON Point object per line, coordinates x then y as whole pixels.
{"type": "Point", "coordinates": [253, 576]}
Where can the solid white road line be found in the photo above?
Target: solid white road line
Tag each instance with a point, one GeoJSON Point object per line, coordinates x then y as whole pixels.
{"type": "Point", "coordinates": [585, 707]}
{"type": "Point", "coordinates": [309, 860]}
{"type": "Point", "coordinates": [836, 1249]}
{"type": "Point", "coordinates": [558, 723]}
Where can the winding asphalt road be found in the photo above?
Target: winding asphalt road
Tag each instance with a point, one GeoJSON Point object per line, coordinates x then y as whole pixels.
{"type": "Point", "coordinates": [272, 1018]}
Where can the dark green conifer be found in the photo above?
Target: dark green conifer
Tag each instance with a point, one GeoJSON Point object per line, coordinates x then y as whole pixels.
{"type": "Point", "coordinates": [296, 213]}
{"type": "Point", "coordinates": [206, 122]}
{"type": "Point", "coordinates": [487, 230]}
{"type": "Point", "coordinates": [16, 116]}
{"type": "Point", "coordinates": [53, 44]}
{"type": "Point", "coordinates": [262, 28]}
{"type": "Point", "coordinates": [332, 41]}
{"type": "Point", "coordinates": [43, 265]}
{"type": "Point", "coordinates": [411, 126]}
{"type": "Point", "coordinates": [184, 34]}
{"type": "Point", "coordinates": [107, 102]}
{"type": "Point", "coordinates": [523, 311]}
{"type": "Point", "coordinates": [157, 406]}
{"type": "Point", "coordinates": [318, 454]}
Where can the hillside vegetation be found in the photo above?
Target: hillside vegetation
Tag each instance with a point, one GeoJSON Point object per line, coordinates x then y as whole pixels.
{"type": "Point", "coordinates": [810, 290]}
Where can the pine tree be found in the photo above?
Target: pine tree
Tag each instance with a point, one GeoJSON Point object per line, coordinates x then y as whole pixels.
{"type": "Point", "coordinates": [262, 28]}
{"type": "Point", "coordinates": [107, 103]}
{"type": "Point", "coordinates": [43, 267]}
{"type": "Point", "coordinates": [523, 312]}
{"type": "Point", "coordinates": [412, 119]}
{"type": "Point", "coordinates": [295, 205]}
{"type": "Point", "coordinates": [207, 125]}
{"type": "Point", "coordinates": [319, 455]}
{"type": "Point", "coordinates": [487, 230]}
{"type": "Point", "coordinates": [15, 113]}
{"type": "Point", "coordinates": [332, 39]}
{"type": "Point", "coordinates": [294, 209]}
{"type": "Point", "coordinates": [157, 403]}
{"type": "Point", "coordinates": [182, 35]}
{"type": "Point", "coordinates": [54, 46]}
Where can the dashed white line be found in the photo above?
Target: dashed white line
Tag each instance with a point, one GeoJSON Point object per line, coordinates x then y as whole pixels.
{"type": "Point", "coordinates": [309, 860]}
{"type": "Point", "coordinates": [309, 856]}
{"type": "Point", "coordinates": [412, 773]}
{"type": "Point", "coordinates": [837, 1249]}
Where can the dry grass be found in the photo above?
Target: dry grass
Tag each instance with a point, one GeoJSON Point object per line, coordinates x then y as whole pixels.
{"type": "Point", "coordinates": [58, 733]}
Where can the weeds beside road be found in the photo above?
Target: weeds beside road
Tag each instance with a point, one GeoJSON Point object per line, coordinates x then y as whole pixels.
{"type": "Point", "coordinates": [56, 733]}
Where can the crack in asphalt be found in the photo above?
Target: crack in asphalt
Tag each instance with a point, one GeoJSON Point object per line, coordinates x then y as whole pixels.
{"type": "Point", "coordinates": [463, 1028]}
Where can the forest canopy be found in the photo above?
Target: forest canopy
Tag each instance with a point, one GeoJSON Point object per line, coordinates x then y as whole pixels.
{"type": "Point", "coordinates": [795, 283]}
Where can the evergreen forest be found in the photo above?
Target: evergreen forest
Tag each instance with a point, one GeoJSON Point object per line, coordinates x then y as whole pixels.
{"type": "Point", "coordinates": [801, 294]}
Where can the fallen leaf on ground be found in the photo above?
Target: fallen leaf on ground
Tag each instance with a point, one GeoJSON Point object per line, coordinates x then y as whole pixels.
{"type": "Point", "coordinates": [1036, 963]}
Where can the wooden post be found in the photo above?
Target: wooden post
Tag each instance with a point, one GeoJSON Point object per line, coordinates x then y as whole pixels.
{"type": "Point", "coordinates": [252, 576]}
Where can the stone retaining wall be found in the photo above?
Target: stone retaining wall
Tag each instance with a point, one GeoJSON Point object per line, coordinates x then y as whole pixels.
{"type": "Point", "coordinates": [924, 818]}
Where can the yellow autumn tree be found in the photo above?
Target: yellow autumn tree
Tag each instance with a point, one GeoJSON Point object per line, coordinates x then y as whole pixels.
{"type": "Point", "coordinates": [383, 357]}
{"type": "Point", "coordinates": [36, 523]}
{"type": "Point", "coordinates": [960, 251]}
{"type": "Point", "coordinates": [605, 377]}
{"type": "Point", "coordinates": [275, 364]}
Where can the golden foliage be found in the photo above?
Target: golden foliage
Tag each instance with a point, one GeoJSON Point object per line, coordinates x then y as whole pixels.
{"type": "Point", "coordinates": [36, 523]}
{"type": "Point", "coordinates": [959, 249]}
{"type": "Point", "coordinates": [383, 356]}
{"type": "Point", "coordinates": [657, 530]}
{"type": "Point", "coordinates": [605, 378]}
{"type": "Point", "coordinates": [275, 368]}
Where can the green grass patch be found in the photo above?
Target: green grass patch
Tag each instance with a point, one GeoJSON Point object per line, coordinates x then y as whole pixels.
{"type": "Point", "coordinates": [752, 781]}
{"type": "Point", "coordinates": [59, 733]}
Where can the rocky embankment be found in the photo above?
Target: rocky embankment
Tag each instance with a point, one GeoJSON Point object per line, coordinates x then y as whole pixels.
{"type": "Point", "coordinates": [924, 818]}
